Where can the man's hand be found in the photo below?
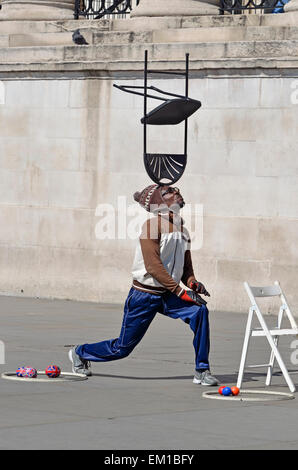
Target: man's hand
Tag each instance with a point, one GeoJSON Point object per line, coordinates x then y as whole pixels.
{"type": "Point", "coordinates": [191, 296]}
{"type": "Point", "coordinates": [197, 286]}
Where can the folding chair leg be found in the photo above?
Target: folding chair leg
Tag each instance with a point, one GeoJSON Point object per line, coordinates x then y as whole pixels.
{"type": "Point", "coordinates": [271, 363]}
{"type": "Point", "coordinates": [245, 348]}
{"type": "Point", "coordinates": [275, 339]}
{"type": "Point", "coordinates": [276, 353]}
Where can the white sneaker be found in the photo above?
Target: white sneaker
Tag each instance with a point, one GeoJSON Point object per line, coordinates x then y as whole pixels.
{"type": "Point", "coordinates": [205, 378]}
{"type": "Point", "coordinates": [79, 365]}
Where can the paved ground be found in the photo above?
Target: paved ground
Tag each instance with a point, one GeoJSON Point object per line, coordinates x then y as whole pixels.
{"type": "Point", "coordinates": [145, 401]}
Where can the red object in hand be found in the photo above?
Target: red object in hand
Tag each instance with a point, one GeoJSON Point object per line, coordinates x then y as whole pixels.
{"type": "Point", "coordinates": [221, 389]}
{"type": "Point", "coordinates": [191, 296]}
{"type": "Point", "coordinates": [199, 287]}
{"type": "Point", "coordinates": [235, 390]}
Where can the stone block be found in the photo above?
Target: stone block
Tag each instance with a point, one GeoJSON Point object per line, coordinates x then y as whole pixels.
{"type": "Point", "coordinates": [78, 93]}
{"type": "Point", "coordinates": [41, 39]}
{"type": "Point", "coordinates": [14, 122]}
{"type": "Point", "coordinates": [31, 54]}
{"type": "Point", "coordinates": [277, 240]}
{"type": "Point", "coordinates": [27, 222]}
{"type": "Point", "coordinates": [83, 274]}
{"type": "Point", "coordinates": [4, 41]}
{"type": "Point", "coordinates": [277, 93]}
{"type": "Point", "coordinates": [20, 10]}
{"type": "Point", "coordinates": [67, 123]}
{"type": "Point", "coordinates": [276, 158]}
{"type": "Point", "coordinates": [220, 157]}
{"type": "Point", "coordinates": [252, 125]}
{"type": "Point", "coordinates": [291, 6]}
{"type": "Point", "coordinates": [37, 93]}
{"type": "Point", "coordinates": [226, 92]}
{"type": "Point", "coordinates": [232, 197]}
{"type": "Point", "coordinates": [70, 188]}
{"type": "Point", "coordinates": [229, 292]}
{"type": "Point", "coordinates": [34, 190]}
{"type": "Point", "coordinates": [287, 276]}
{"type": "Point", "coordinates": [140, 24]}
{"type": "Point", "coordinates": [14, 153]}
{"type": "Point", "coordinates": [54, 153]}
{"type": "Point", "coordinates": [19, 274]}
{"type": "Point", "coordinates": [66, 228]}
{"type": "Point", "coordinates": [175, 8]}
{"type": "Point", "coordinates": [12, 186]}
{"type": "Point", "coordinates": [288, 196]}
{"type": "Point", "coordinates": [231, 238]}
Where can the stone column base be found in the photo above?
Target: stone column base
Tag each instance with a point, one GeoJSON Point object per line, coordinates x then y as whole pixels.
{"type": "Point", "coordinates": [291, 6]}
{"type": "Point", "coordinates": [37, 10]}
{"type": "Point", "coordinates": [176, 8]}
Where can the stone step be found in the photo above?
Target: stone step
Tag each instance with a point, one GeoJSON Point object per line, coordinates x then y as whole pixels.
{"type": "Point", "coordinates": [157, 52]}
{"type": "Point", "coordinates": [191, 35]}
{"type": "Point", "coordinates": [197, 35]}
{"type": "Point", "coordinates": [148, 24]}
{"type": "Point", "coordinates": [37, 39]}
{"type": "Point", "coordinates": [162, 23]}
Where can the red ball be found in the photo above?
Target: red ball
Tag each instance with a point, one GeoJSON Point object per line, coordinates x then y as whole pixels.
{"type": "Point", "coordinates": [221, 389]}
{"type": "Point", "coordinates": [53, 371]}
{"type": "Point", "coordinates": [235, 390]}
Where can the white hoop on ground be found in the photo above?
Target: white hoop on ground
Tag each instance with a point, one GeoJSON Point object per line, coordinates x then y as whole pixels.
{"type": "Point", "coordinates": [63, 377]}
{"type": "Point", "coordinates": [241, 397]}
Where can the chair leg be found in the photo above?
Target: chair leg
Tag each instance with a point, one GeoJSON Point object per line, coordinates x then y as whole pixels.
{"type": "Point", "coordinates": [271, 363]}
{"type": "Point", "coordinates": [276, 352]}
{"type": "Point", "coordinates": [245, 348]}
{"type": "Point", "coordinates": [275, 339]}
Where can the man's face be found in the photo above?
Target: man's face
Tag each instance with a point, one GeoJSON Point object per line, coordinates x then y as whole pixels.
{"type": "Point", "coordinates": [172, 196]}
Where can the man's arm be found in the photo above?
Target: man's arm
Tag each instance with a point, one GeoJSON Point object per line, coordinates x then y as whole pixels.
{"type": "Point", "coordinates": [188, 274]}
{"type": "Point", "coordinates": [188, 277]}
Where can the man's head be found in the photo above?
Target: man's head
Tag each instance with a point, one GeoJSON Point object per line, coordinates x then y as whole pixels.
{"type": "Point", "coordinates": [155, 198]}
{"type": "Point", "coordinates": [172, 196]}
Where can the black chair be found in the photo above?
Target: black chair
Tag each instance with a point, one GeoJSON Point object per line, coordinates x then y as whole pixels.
{"type": "Point", "coordinates": [165, 168]}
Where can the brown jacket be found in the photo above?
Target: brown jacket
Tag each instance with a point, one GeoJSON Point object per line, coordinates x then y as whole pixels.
{"type": "Point", "coordinates": [163, 257]}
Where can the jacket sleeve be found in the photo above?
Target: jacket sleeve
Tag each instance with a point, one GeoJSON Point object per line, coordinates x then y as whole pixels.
{"type": "Point", "coordinates": [150, 245]}
{"type": "Point", "coordinates": [188, 274]}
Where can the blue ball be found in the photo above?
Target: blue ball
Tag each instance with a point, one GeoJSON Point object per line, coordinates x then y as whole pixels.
{"type": "Point", "coordinates": [227, 391]}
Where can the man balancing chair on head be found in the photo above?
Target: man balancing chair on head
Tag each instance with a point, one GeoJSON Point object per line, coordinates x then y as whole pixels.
{"type": "Point", "coordinates": [162, 260]}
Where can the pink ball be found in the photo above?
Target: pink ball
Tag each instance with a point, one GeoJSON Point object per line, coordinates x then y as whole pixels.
{"type": "Point", "coordinates": [30, 372]}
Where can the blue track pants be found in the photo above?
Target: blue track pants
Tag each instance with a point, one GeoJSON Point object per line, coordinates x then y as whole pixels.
{"type": "Point", "coordinates": [139, 310]}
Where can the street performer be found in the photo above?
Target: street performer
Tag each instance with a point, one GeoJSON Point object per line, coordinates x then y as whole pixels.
{"type": "Point", "coordinates": [162, 260]}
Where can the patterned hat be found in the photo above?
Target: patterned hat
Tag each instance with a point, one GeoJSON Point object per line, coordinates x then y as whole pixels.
{"type": "Point", "coordinates": [150, 196]}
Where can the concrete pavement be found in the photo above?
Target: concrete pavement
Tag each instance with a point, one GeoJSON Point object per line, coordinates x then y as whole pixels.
{"type": "Point", "coordinates": [145, 401]}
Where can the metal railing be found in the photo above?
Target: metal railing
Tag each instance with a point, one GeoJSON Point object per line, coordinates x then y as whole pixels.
{"type": "Point", "coordinates": [97, 9]}
{"type": "Point", "coordinates": [252, 6]}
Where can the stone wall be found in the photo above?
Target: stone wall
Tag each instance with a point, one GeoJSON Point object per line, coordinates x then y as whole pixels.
{"type": "Point", "coordinates": [68, 145]}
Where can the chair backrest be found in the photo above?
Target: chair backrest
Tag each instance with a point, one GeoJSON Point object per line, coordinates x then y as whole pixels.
{"type": "Point", "coordinates": [267, 291]}
{"type": "Point", "coordinates": [262, 291]}
{"type": "Point", "coordinates": [270, 291]}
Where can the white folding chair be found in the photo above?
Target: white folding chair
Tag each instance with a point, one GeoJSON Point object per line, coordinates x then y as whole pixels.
{"type": "Point", "coordinates": [272, 335]}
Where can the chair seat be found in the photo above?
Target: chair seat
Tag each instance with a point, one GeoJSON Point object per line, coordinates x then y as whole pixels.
{"type": "Point", "coordinates": [275, 332]}
{"type": "Point", "coordinates": [172, 112]}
